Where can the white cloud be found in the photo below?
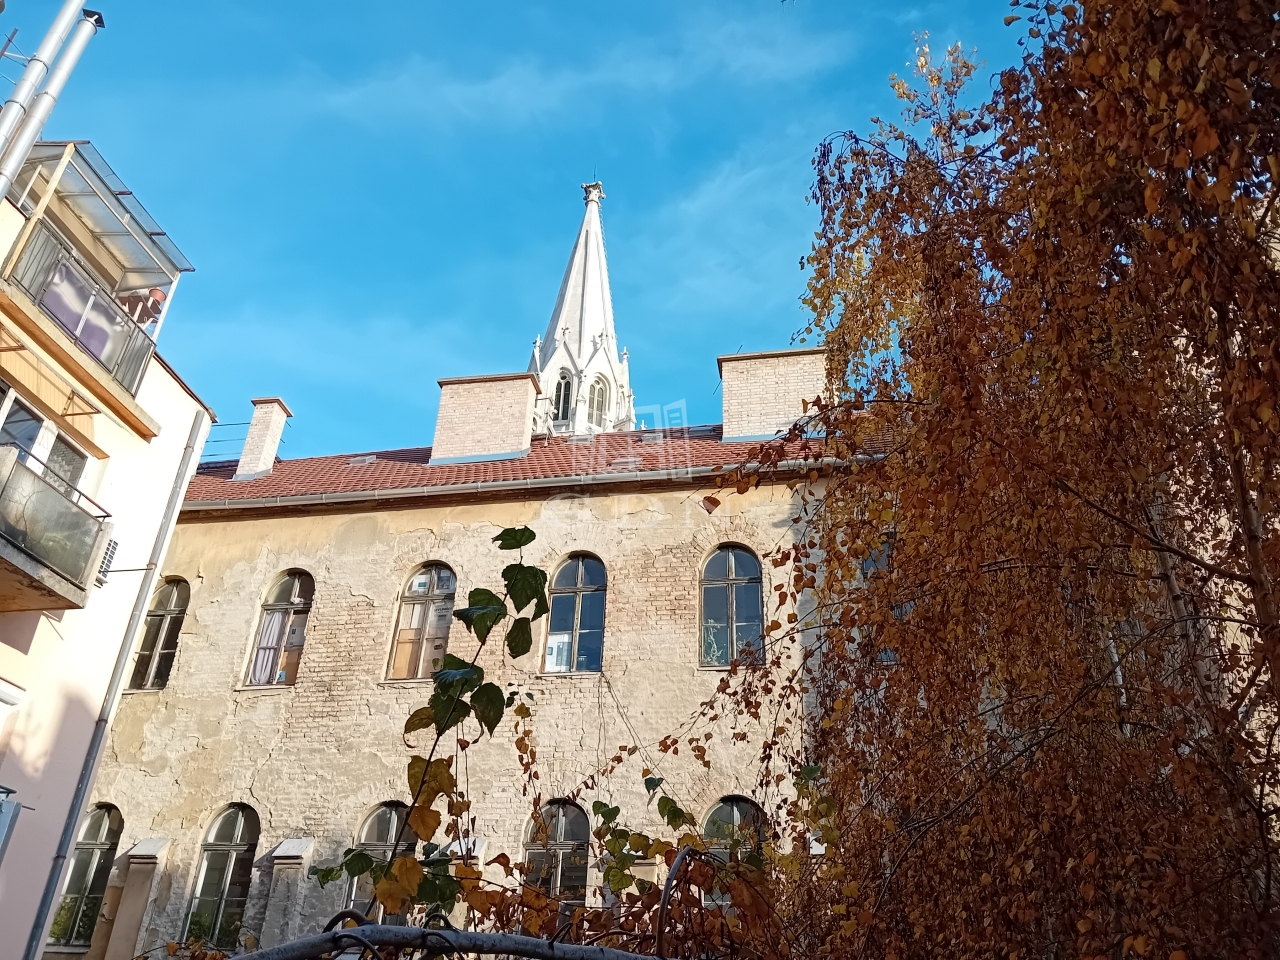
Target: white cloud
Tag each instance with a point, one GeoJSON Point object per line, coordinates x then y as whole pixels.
{"type": "Point", "coordinates": [528, 89]}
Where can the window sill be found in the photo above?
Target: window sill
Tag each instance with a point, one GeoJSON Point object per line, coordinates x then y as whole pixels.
{"type": "Point", "coordinates": [131, 692]}
{"type": "Point", "coordinates": [713, 668]}
{"type": "Point", "coordinates": [569, 673]}
{"type": "Point", "coordinates": [263, 688]}
{"type": "Point", "coordinates": [66, 948]}
{"type": "Point", "coordinates": [408, 682]}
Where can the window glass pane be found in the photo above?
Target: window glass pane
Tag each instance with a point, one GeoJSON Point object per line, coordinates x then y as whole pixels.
{"type": "Point", "coordinates": [63, 466]}
{"type": "Point", "coordinates": [115, 825]}
{"type": "Point", "coordinates": [203, 912]}
{"type": "Point", "coordinates": [229, 925]}
{"type": "Point", "coordinates": [241, 874]}
{"type": "Point", "coordinates": [715, 624]}
{"type": "Point", "coordinates": [420, 582]}
{"type": "Point", "coordinates": [559, 652]}
{"type": "Point", "coordinates": [539, 875]}
{"type": "Point", "coordinates": [590, 651]}
{"type": "Point", "coordinates": [573, 874]}
{"type": "Point", "coordinates": [297, 634]}
{"type": "Point", "coordinates": [164, 667]}
{"type": "Point", "coordinates": [574, 826]}
{"type": "Point", "coordinates": [78, 876]}
{"type": "Point", "coordinates": [562, 611]}
{"type": "Point", "coordinates": [747, 601]}
{"type": "Point", "coordinates": [745, 565]}
{"type": "Point", "coordinates": [592, 616]}
{"type": "Point", "coordinates": [567, 575]}
{"type": "Point", "coordinates": [592, 572]}
{"type": "Point", "coordinates": [216, 864]}
{"type": "Point", "coordinates": [404, 657]}
{"type": "Point", "coordinates": [717, 567]}
{"type": "Point", "coordinates": [146, 651]}
{"type": "Point", "coordinates": [180, 595]}
{"type": "Point", "coordinates": [282, 592]}
{"type": "Point", "coordinates": [266, 659]}
{"type": "Point", "coordinates": [446, 582]}
{"type": "Point", "coordinates": [21, 427]}
{"type": "Point", "coordinates": [441, 618]}
{"type": "Point", "coordinates": [306, 587]}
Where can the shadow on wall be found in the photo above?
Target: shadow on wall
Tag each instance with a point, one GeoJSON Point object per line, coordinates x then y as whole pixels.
{"type": "Point", "coordinates": [43, 761]}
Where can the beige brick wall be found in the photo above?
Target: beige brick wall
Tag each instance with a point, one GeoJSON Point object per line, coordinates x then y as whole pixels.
{"type": "Point", "coordinates": [762, 393]}
{"type": "Point", "coordinates": [484, 416]}
{"type": "Point", "coordinates": [315, 758]}
{"type": "Point", "coordinates": [263, 439]}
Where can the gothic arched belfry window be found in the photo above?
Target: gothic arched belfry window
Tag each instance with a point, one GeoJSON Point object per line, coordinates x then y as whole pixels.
{"type": "Point", "coordinates": [598, 408]}
{"type": "Point", "coordinates": [563, 398]}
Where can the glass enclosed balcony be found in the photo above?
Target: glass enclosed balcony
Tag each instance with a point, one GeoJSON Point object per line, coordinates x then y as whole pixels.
{"type": "Point", "coordinates": [92, 258]}
{"type": "Point", "coordinates": [49, 536]}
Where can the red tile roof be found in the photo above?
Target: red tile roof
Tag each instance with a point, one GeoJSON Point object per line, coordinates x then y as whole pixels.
{"type": "Point", "coordinates": [672, 453]}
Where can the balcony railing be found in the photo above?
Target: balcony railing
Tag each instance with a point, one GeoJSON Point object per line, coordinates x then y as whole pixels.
{"type": "Point", "coordinates": [46, 517]}
{"type": "Point", "coordinates": [69, 293]}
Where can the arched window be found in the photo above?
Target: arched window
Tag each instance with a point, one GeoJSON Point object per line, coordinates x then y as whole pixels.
{"type": "Point", "coordinates": [556, 852]}
{"type": "Point", "coordinates": [160, 636]}
{"type": "Point", "coordinates": [87, 878]}
{"type": "Point", "coordinates": [377, 838]}
{"type": "Point", "coordinates": [733, 823]}
{"type": "Point", "coordinates": [422, 625]}
{"type": "Point", "coordinates": [563, 398]}
{"type": "Point", "coordinates": [598, 403]}
{"type": "Point", "coordinates": [575, 640]}
{"type": "Point", "coordinates": [732, 607]}
{"type": "Point", "coordinates": [222, 882]}
{"type": "Point", "coordinates": [283, 630]}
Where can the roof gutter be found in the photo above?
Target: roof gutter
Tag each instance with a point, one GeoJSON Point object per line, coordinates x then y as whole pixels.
{"type": "Point", "coordinates": [487, 486]}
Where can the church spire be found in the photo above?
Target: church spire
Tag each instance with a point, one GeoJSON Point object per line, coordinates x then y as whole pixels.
{"type": "Point", "coordinates": [585, 383]}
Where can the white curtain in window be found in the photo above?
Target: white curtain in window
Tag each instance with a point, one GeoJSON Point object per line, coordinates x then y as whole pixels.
{"type": "Point", "coordinates": [267, 658]}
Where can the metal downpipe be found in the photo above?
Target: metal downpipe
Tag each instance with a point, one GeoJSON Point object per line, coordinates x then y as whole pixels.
{"type": "Point", "coordinates": [24, 91]}
{"type": "Point", "coordinates": [35, 942]}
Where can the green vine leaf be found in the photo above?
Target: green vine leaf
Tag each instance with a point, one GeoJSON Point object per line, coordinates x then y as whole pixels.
{"type": "Point", "coordinates": [519, 638]}
{"type": "Point", "coordinates": [513, 538]}
{"type": "Point", "coordinates": [487, 703]}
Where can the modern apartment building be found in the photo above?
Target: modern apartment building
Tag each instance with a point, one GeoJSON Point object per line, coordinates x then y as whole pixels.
{"type": "Point", "coordinates": [98, 439]}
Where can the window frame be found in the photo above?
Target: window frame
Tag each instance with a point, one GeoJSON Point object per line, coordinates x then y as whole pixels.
{"type": "Point", "coordinates": [725, 849]}
{"type": "Point", "coordinates": [562, 398]}
{"type": "Point", "coordinates": [430, 600]}
{"type": "Point", "coordinates": [294, 609]}
{"type": "Point", "coordinates": [101, 852]}
{"type": "Point", "coordinates": [380, 852]}
{"type": "Point", "coordinates": [598, 403]}
{"type": "Point", "coordinates": [242, 853]}
{"type": "Point", "coordinates": [556, 848]}
{"type": "Point", "coordinates": [170, 627]}
{"type": "Point", "coordinates": [729, 581]}
{"type": "Point", "coordinates": [46, 438]}
{"type": "Point", "coordinates": [577, 592]}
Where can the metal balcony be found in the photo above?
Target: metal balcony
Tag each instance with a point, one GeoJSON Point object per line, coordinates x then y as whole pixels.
{"type": "Point", "coordinates": [51, 537]}
{"type": "Point", "coordinates": [67, 291]}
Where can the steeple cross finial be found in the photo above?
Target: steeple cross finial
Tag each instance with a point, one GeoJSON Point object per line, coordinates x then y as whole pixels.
{"type": "Point", "coordinates": [592, 191]}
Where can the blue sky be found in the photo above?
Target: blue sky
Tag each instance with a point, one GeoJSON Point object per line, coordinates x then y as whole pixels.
{"type": "Point", "coordinates": [380, 194]}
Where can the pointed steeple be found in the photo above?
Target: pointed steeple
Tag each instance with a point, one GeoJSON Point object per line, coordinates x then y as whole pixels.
{"type": "Point", "coordinates": [580, 346]}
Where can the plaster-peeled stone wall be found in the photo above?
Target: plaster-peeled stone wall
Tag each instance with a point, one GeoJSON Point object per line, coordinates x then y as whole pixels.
{"type": "Point", "coordinates": [315, 758]}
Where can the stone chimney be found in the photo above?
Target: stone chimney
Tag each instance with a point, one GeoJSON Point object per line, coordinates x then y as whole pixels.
{"type": "Point", "coordinates": [259, 454]}
{"type": "Point", "coordinates": [764, 393]}
{"type": "Point", "coordinates": [485, 418]}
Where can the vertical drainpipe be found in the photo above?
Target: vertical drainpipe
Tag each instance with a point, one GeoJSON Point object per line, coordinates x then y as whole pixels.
{"type": "Point", "coordinates": [36, 940]}
{"type": "Point", "coordinates": [29, 132]}
{"type": "Point", "coordinates": [15, 108]}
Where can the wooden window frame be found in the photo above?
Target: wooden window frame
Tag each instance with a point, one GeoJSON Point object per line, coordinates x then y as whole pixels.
{"type": "Point", "coordinates": [292, 610]}
{"type": "Point", "coordinates": [169, 620]}
{"type": "Point", "coordinates": [431, 600]}
{"type": "Point", "coordinates": [729, 581]}
{"type": "Point", "coordinates": [240, 851]}
{"type": "Point", "coordinates": [577, 592]}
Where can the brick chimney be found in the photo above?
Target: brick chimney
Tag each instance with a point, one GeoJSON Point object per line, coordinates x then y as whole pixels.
{"type": "Point", "coordinates": [260, 445]}
{"type": "Point", "coordinates": [764, 393]}
{"type": "Point", "coordinates": [484, 418]}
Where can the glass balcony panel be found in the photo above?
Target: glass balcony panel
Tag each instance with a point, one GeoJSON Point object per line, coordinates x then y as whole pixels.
{"type": "Point", "coordinates": [66, 297]}
{"type": "Point", "coordinates": [39, 518]}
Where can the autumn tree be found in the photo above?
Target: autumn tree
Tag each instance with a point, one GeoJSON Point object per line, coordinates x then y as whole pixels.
{"type": "Point", "coordinates": [1043, 671]}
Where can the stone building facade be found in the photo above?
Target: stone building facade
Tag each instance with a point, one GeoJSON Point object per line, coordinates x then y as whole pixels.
{"type": "Point", "coordinates": [311, 752]}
